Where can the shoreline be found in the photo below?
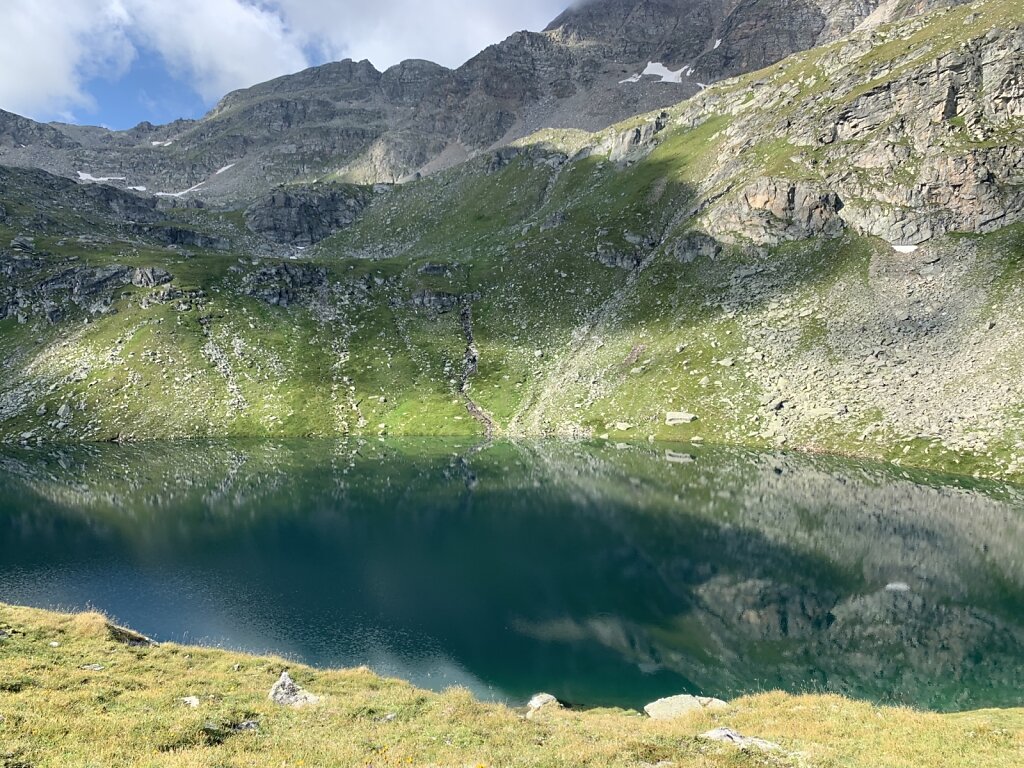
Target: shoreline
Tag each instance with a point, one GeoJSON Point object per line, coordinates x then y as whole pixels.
{"type": "Point", "coordinates": [76, 690]}
{"type": "Point", "coordinates": [941, 470]}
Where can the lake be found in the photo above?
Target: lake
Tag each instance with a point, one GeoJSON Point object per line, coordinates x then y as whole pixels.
{"type": "Point", "coordinates": [604, 574]}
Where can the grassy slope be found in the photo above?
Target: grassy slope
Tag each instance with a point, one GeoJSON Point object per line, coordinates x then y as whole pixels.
{"type": "Point", "coordinates": [54, 713]}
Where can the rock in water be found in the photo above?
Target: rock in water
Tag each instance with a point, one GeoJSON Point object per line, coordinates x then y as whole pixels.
{"type": "Point", "coordinates": [677, 706]}
{"type": "Point", "coordinates": [541, 701]}
{"type": "Point", "coordinates": [743, 742]}
{"type": "Point", "coordinates": [288, 694]}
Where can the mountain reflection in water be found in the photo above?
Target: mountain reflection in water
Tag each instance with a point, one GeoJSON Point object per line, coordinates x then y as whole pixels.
{"type": "Point", "coordinates": [605, 576]}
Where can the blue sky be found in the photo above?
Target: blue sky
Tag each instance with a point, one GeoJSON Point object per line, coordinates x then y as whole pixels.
{"type": "Point", "coordinates": [119, 62]}
{"type": "Point", "coordinates": [147, 91]}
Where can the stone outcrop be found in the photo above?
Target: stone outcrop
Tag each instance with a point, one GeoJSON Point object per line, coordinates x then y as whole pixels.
{"type": "Point", "coordinates": [924, 150]}
{"type": "Point", "coordinates": [772, 211]}
{"type": "Point", "coordinates": [303, 216]}
{"type": "Point", "coordinates": [284, 284]}
{"type": "Point", "coordinates": [539, 702]}
{"type": "Point", "coordinates": [183, 237]}
{"type": "Point", "coordinates": [636, 140]}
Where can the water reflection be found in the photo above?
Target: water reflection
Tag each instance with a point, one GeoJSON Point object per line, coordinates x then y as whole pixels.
{"type": "Point", "coordinates": [603, 575]}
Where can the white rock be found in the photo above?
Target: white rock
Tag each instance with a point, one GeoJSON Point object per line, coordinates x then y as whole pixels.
{"type": "Point", "coordinates": [897, 586]}
{"type": "Point", "coordinates": [192, 702]}
{"type": "Point", "coordinates": [288, 694]}
{"type": "Point", "coordinates": [677, 706]}
{"type": "Point", "coordinates": [679, 418]}
{"type": "Point", "coordinates": [541, 701]}
{"type": "Point", "coordinates": [743, 742]}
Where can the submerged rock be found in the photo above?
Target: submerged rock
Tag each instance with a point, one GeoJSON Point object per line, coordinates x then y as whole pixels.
{"type": "Point", "coordinates": [289, 694]}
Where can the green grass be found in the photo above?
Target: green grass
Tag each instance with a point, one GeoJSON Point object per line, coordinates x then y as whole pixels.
{"type": "Point", "coordinates": [53, 712]}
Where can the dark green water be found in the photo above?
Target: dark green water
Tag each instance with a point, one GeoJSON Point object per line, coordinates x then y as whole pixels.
{"type": "Point", "coordinates": [602, 575]}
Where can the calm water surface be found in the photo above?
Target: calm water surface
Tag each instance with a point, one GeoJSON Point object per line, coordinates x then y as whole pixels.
{"type": "Point", "coordinates": [604, 575]}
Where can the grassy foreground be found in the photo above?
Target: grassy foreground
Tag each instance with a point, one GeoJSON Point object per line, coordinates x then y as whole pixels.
{"type": "Point", "coordinates": [73, 693]}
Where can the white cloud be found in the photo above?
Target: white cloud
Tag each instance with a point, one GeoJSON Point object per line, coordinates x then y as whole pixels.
{"type": "Point", "coordinates": [217, 45]}
{"type": "Point", "coordinates": [53, 47]}
{"type": "Point", "coordinates": [446, 31]}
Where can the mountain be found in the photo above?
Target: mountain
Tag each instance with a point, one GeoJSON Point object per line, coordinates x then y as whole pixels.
{"type": "Point", "coordinates": [824, 254]}
{"type": "Point", "coordinates": [348, 121]}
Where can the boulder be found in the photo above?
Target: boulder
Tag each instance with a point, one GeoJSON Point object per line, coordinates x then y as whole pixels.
{"type": "Point", "coordinates": [289, 694]}
{"type": "Point", "coordinates": [541, 701]}
{"type": "Point", "coordinates": [745, 743]}
{"type": "Point", "coordinates": [679, 418]}
{"type": "Point", "coordinates": [678, 706]}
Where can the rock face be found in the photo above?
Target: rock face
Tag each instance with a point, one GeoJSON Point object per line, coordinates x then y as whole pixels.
{"type": "Point", "coordinates": [678, 706]}
{"type": "Point", "coordinates": [288, 694]}
{"type": "Point", "coordinates": [917, 154]}
{"type": "Point", "coordinates": [306, 215]}
{"type": "Point", "coordinates": [772, 211]}
{"type": "Point", "coordinates": [150, 277]}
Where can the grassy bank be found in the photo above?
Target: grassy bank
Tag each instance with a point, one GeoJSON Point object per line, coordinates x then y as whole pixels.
{"type": "Point", "coordinates": [74, 693]}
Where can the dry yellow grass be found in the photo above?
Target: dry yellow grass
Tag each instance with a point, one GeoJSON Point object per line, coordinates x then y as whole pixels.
{"type": "Point", "coordinates": [53, 712]}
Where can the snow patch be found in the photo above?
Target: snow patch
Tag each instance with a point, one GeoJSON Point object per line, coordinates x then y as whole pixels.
{"type": "Point", "coordinates": [162, 143]}
{"type": "Point", "coordinates": [657, 69]}
{"type": "Point", "coordinates": [905, 248]}
{"type": "Point", "coordinates": [137, 189]}
{"type": "Point", "coordinates": [224, 169]}
{"type": "Point", "coordinates": [897, 586]}
{"type": "Point", "coordinates": [181, 194]}
{"type": "Point", "coordinates": [718, 44]}
{"type": "Point", "coordinates": [83, 176]}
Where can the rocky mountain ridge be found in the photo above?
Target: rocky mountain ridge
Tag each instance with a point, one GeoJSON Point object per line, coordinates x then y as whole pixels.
{"type": "Point", "coordinates": [347, 120]}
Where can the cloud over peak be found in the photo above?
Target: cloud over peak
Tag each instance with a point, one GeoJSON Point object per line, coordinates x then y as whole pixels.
{"type": "Point", "coordinates": [55, 49]}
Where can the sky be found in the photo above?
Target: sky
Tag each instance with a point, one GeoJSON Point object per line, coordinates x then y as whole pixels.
{"type": "Point", "coordinates": [119, 62]}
